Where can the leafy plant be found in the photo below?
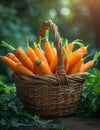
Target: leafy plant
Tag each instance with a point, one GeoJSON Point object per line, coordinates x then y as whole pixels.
{"type": "Point", "coordinates": [90, 102]}
{"type": "Point", "coordinates": [12, 112]}
{"type": "Point", "coordinates": [13, 30]}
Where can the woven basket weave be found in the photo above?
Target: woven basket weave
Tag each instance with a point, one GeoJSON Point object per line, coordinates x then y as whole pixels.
{"type": "Point", "coordinates": [50, 95]}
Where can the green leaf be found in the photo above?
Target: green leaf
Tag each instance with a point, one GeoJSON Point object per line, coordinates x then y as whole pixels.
{"type": "Point", "coordinates": [91, 93]}
{"type": "Point", "coordinates": [2, 122]}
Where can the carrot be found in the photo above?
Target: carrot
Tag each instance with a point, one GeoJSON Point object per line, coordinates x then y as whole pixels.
{"type": "Point", "coordinates": [13, 57]}
{"type": "Point", "coordinates": [66, 48]}
{"type": "Point", "coordinates": [74, 58]}
{"type": "Point", "coordinates": [66, 65]}
{"type": "Point", "coordinates": [48, 49]}
{"type": "Point", "coordinates": [82, 49]}
{"type": "Point", "coordinates": [21, 55]}
{"type": "Point", "coordinates": [66, 62]}
{"type": "Point", "coordinates": [22, 70]}
{"type": "Point", "coordinates": [54, 51]}
{"type": "Point", "coordinates": [10, 63]}
{"type": "Point", "coordinates": [31, 52]}
{"type": "Point", "coordinates": [53, 64]}
{"type": "Point", "coordinates": [69, 47]}
{"type": "Point", "coordinates": [40, 55]}
{"type": "Point", "coordinates": [16, 67]}
{"type": "Point", "coordinates": [76, 67]}
{"type": "Point", "coordinates": [67, 51]}
{"type": "Point", "coordinates": [87, 66]}
{"type": "Point", "coordinates": [42, 67]}
{"type": "Point", "coordinates": [32, 55]}
{"type": "Point", "coordinates": [90, 63]}
{"type": "Point", "coordinates": [39, 45]}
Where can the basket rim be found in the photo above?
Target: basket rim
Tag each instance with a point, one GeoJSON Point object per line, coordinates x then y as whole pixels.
{"type": "Point", "coordinates": [51, 79]}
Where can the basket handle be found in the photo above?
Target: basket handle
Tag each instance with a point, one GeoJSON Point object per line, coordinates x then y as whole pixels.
{"type": "Point", "coordinates": [57, 42]}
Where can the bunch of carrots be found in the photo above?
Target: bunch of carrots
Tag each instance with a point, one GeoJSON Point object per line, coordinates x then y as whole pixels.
{"type": "Point", "coordinates": [38, 61]}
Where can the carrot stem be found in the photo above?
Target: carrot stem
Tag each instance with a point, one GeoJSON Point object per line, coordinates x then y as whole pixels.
{"type": "Point", "coordinates": [5, 44]}
{"type": "Point", "coordinates": [66, 42]}
{"type": "Point", "coordinates": [27, 41]}
{"type": "Point", "coordinates": [96, 56]}
{"type": "Point", "coordinates": [46, 35]}
{"type": "Point", "coordinates": [78, 42]}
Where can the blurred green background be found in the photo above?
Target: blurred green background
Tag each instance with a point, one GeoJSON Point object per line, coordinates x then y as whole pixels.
{"type": "Point", "coordinates": [76, 19]}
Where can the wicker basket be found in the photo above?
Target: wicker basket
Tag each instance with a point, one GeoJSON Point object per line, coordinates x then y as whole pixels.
{"type": "Point", "coordinates": [50, 95]}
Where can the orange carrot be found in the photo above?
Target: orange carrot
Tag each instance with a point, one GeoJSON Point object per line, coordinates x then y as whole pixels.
{"type": "Point", "coordinates": [74, 58]}
{"type": "Point", "coordinates": [23, 57]}
{"type": "Point", "coordinates": [66, 61]}
{"type": "Point", "coordinates": [10, 63]}
{"type": "Point", "coordinates": [53, 64]}
{"type": "Point", "coordinates": [54, 51]}
{"type": "Point", "coordinates": [87, 66]}
{"type": "Point", "coordinates": [90, 63]}
{"type": "Point", "coordinates": [82, 65]}
{"type": "Point", "coordinates": [66, 48]}
{"type": "Point", "coordinates": [48, 51]}
{"type": "Point", "coordinates": [65, 58]}
{"type": "Point", "coordinates": [32, 55]}
{"type": "Point", "coordinates": [31, 52]}
{"type": "Point", "coordinates": [13, 57]}
{"type": "Point", "coordinates": [16, 67]}
{"type": "Point", "coordinates": [66, 64]}
{"type": "Point", "coordinates": [76, 67]}
{"type": "Point", "coordinates": [82, 49]}
{"type": "Point", "coordinates": [69, 46]}
{"type": "Point", "coordinates": [42, 68]}
{"type": "Point", "coordinates": [40, 55]}
{"type": "Point", "coordinates": [22, 70]}
{"type": "Point", "coordinates": [77, 55]}
{"type": "Point", "coordinates": [48, 48]}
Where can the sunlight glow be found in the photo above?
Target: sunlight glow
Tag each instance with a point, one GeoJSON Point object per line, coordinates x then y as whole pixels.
{"type": "Point", "coordinates": [65, 11]}
{"type": "Point", "coordinates": [52, 13]}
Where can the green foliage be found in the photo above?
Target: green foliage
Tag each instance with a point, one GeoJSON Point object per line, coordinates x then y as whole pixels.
{"type": "Point", "coordinates": [10, 106]}
{"type": "Point", "coordinates": [90, 102]}
{"type": "Point", "coordinates": [13, 30]}
{"type": "Point", "coordinates": [12, 112]}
